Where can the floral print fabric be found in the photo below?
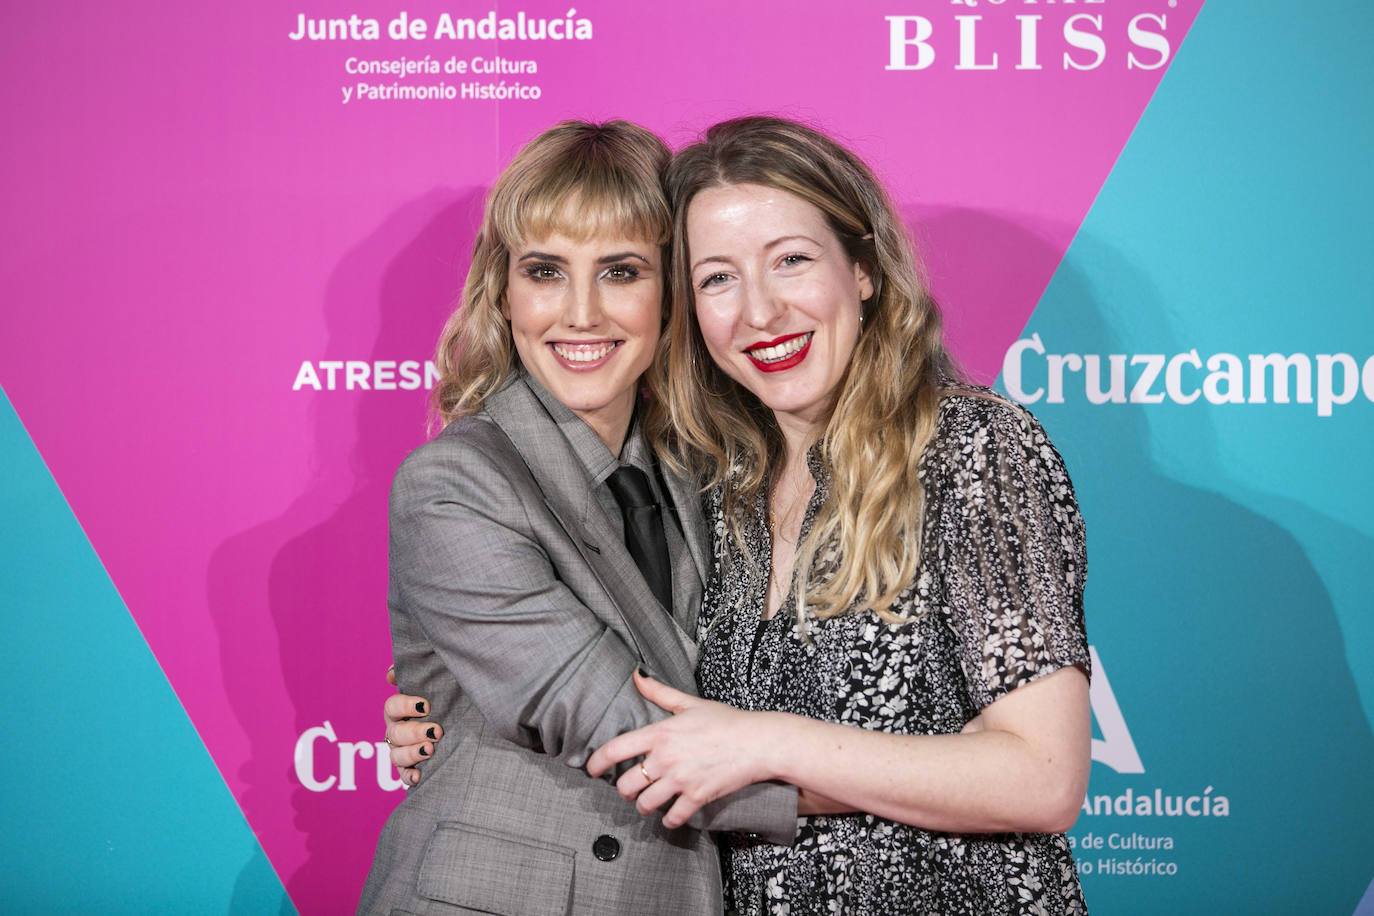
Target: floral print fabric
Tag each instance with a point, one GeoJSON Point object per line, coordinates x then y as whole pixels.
{"type": "Point", "coordinates": [997, 602]}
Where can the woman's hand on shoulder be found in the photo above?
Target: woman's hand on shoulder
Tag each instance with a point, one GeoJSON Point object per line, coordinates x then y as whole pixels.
{"type": "Point", "coordinates": [411, 741]}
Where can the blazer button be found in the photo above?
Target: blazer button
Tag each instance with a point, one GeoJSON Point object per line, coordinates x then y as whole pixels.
{"type": "Point", "coordinates": [606, 847]}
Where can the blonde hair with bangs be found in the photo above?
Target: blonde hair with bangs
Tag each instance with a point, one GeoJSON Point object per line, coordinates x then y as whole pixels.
{"type": "Point", "coordinates": [576, 179]}
{"type": "Point", "coordinates": [885, 406]}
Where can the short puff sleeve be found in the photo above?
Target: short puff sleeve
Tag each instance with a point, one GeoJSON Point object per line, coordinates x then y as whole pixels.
{"type": "Point", "coordinates": [1004, 530]}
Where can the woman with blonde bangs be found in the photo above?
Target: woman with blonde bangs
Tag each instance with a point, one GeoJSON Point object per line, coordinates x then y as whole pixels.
{"type": "Point", "coordinates": [580, 179]}
{"type": "Point", "coordinates": [894, 618]}
{"type": "Point", "coordinates": [538, 556]}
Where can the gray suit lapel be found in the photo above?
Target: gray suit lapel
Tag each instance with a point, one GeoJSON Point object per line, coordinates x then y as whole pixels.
{"type": "Point", "coordinates": [569, 496]}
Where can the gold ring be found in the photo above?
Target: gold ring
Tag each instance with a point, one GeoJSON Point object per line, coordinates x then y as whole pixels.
{"type": "Point", "coordinates": [647, 777]}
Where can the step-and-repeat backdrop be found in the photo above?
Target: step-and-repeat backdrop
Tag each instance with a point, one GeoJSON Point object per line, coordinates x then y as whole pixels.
{"type": "Point", "coordinates": [231, 233]}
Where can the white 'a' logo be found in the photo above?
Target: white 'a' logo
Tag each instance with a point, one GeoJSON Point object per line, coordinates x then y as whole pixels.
{"type": "Point", "coordinates": [1115, 748]}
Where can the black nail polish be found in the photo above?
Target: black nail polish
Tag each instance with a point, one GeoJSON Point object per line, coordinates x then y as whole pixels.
{"type": "Point", "coordinates": [429, 733]}
{"type": "Point", "coordinates": [420, 707]}
{"type": "Point", "coordinates": [423, 752]}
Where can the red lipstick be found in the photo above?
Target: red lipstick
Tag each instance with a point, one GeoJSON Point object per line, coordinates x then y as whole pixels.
{"type": "Point", "coordinates": [781, 364]}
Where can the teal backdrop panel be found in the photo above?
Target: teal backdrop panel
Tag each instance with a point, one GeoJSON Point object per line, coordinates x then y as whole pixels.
{"type": "Point", "coordinates": [110, 803]}
{"type": "Point", "coordinates": [1204, 357]}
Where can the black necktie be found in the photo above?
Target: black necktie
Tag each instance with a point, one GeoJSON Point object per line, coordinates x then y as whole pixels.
{"type": "Point", "coordinates": [644, 530]}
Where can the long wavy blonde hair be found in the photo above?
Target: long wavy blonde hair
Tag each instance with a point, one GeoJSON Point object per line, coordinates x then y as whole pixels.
{"type": "Point", "coordinates": [885, 406]}
{"type": "Point", "coordinates": [576, 179]}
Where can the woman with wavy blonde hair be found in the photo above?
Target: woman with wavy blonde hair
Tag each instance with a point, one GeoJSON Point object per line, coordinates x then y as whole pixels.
{"type": "Point", "coordinates": [714, 427]}
{"type": "Point", "coordinates": [894, 621]}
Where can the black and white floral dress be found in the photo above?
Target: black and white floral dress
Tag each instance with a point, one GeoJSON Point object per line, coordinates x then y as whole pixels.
{"type": "Point", "coordinates": [997, 603]}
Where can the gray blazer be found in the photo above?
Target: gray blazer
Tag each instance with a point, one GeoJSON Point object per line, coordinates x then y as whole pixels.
{"type": "Point", "coordinates": [516, 609]}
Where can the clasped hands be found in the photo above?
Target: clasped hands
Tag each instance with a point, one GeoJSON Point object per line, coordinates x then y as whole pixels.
{"type": "Point", "coordinates": [704, 751]}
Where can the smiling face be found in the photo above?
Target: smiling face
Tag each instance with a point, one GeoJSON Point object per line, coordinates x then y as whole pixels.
{"type": "Point", "coordinates": [777, 297]}
{"type": "Point", "coordinates": [585, 318]}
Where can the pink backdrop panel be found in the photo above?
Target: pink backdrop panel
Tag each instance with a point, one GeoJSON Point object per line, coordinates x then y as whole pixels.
{"type": "Point", "coordinates": [194, 211]}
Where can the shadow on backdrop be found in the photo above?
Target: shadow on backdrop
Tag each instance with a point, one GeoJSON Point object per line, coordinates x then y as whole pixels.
{"type": "Point", "coordinates": [1221, 640]}
{"type": "Point", "coordinates": [318, 570]}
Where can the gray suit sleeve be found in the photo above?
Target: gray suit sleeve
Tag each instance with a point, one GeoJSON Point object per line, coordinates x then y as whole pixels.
{"type": "Point", "coordinates": [546, 672]}
{"type": "Point", "coordinates": [768, 809]}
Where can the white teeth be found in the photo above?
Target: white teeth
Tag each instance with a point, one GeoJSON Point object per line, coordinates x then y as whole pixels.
{"type": "Point", "coordinates": [583, 353]}
{"type": "Point", "coordinates": [782, 350]}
